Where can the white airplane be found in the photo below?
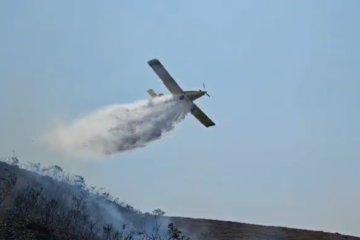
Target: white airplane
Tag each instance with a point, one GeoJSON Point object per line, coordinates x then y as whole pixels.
{"type": "Point", "coordinates": [176, 91]}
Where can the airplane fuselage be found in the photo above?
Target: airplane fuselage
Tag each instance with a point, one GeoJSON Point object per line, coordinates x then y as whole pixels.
{"type": "Point", "coordinates": [192, 95]}
{"type": "Point", "coordinates": [189, 95]}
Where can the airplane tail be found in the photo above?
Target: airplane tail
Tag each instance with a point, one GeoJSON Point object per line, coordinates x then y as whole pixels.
{"type": "Point", "coordinates": [153, 94]}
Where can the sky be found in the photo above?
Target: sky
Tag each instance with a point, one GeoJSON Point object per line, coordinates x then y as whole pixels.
{"type": "Point", "coordinates": [283, 78]}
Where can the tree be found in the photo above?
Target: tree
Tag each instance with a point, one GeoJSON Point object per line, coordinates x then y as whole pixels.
{"type": "Point", "coordinates": [158, 212]}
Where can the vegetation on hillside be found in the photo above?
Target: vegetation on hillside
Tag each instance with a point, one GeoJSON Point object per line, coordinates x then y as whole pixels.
{"type": "Point", "coordinates": [47, 203]}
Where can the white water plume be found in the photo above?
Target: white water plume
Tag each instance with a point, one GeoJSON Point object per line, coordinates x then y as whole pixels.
{"type": "Point", "coordinates": [119, 128]}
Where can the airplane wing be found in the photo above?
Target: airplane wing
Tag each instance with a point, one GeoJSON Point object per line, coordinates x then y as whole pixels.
{"type": "Point", "coordinates": [164, 75]}
{"type": "Point", "coordinates": [201, 116]}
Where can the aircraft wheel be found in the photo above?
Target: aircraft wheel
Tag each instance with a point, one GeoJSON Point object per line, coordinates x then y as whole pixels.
{"type": "Point", "coordinates": [182, 97]}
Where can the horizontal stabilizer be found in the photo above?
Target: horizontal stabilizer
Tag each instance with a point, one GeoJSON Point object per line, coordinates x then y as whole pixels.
{"type": "Point", "coordinates": [152, 93]}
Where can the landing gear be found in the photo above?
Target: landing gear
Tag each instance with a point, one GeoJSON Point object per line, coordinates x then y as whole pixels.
{"type": "Point", "coordinates": [181, 97]}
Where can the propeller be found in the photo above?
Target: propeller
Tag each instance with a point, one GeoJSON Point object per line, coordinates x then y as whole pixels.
{"type": "Point", "coordinates": [205, 90]}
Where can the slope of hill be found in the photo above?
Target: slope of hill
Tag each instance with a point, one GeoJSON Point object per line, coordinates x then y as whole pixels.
{"type": "Point", "coordinates": [227, 230]}
{"type": "Point", "coordinates": [47, 203]}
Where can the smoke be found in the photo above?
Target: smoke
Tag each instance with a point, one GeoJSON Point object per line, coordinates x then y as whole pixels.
{"type": "Point", "coordinates": [118, 128]}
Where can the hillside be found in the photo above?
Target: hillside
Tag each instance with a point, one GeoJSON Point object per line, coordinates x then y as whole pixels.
{"type": "Point", "coordinates": [47, 203]}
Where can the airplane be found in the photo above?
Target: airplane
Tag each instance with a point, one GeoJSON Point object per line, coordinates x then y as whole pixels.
{"type": "Point", "coordinates": [177, 91]}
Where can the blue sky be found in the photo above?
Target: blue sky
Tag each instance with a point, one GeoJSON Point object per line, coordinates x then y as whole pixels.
{"type": "Point", "coordinates": [284, 82]}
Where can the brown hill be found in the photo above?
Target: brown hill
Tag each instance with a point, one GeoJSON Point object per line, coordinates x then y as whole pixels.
{"type": "Point", "coordinates": [32, 226]}
{"type": "Point", "coordinates": [227, 230]}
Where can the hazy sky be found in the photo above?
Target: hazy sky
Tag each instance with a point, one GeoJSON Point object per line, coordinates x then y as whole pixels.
{"type": "Point", "coordinates": [284, 83]}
